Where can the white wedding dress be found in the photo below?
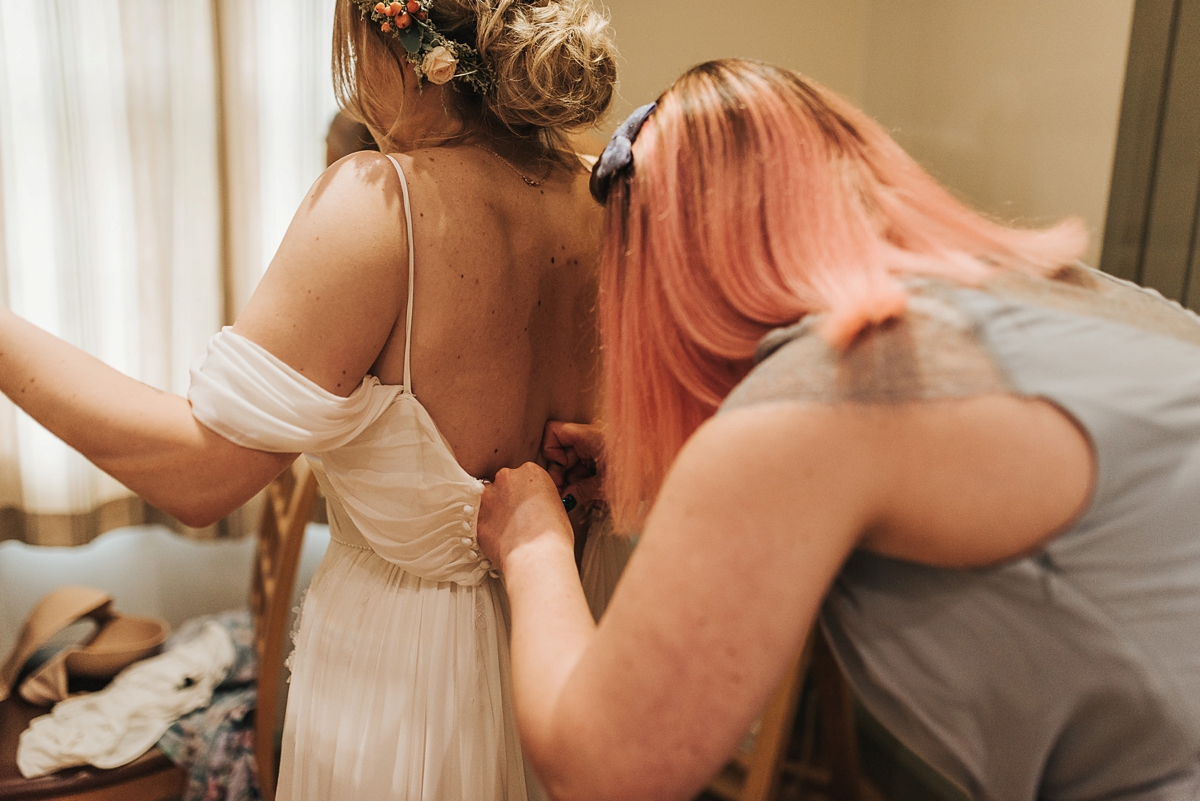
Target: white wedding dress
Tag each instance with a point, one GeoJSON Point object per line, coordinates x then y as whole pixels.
{"type": "Point", "coordinates": [400, 686]}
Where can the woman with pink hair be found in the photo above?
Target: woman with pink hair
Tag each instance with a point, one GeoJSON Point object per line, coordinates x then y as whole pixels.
{"type": "Point", "coordinates": [836, 395]}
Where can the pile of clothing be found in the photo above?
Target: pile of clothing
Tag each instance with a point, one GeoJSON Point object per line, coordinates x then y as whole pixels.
{"type": "Point", "coordinates": [195, 699]}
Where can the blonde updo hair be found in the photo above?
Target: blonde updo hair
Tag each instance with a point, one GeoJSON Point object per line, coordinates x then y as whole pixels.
{"type": "Point", "coordinates": [554, 64]}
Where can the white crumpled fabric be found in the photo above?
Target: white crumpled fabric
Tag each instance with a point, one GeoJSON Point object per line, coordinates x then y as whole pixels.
{"type": "Point", "coordinates": [118, 724]}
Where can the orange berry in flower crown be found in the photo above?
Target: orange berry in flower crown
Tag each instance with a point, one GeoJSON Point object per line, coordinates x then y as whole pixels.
{"type": "Point", "coordinates": [380, 8]}
{"type": "Point", "coordinates": [395, 8]}
{"type": "Point", "coordinates": [403, 21]}
{"type": "Point", "coordinates": [413, 6]}
{"type": "Point", "coordinates": [386, 27]}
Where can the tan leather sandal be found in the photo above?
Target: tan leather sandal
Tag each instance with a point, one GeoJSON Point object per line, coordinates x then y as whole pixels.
{"type": "Point", "coordinates": [119, 641]}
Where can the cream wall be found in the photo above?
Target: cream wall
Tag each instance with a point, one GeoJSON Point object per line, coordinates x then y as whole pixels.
{"type": "Point", "coordinates": [659, 39]}
{"type": "Point", "coordinates": [1014, 105]}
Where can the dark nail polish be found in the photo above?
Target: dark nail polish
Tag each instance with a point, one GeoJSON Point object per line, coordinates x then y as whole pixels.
{"type": "Point", "coordinates": [569, 502]}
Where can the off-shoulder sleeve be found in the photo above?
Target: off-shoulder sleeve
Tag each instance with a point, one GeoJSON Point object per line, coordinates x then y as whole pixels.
{"type": "Point", "coordinates": [247, 395]}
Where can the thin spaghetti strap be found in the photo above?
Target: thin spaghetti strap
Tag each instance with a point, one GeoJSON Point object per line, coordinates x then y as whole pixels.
{"type": "Point", "coordinates": [412, 271]}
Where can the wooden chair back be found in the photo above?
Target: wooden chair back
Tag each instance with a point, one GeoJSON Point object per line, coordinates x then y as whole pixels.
{"type": "Point", "coordinates": [286, 511]}
{"type": "Point", "coordinates": [833, 773]}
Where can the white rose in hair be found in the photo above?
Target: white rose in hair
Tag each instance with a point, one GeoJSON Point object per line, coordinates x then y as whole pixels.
{"type": "Point", "coordinates": [439, 65]}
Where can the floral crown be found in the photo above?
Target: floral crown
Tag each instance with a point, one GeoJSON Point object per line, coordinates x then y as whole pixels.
{"type": "Point", "coordinates": [435, 57]}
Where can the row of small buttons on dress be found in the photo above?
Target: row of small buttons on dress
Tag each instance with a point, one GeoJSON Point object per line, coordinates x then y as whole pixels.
{"type": "Point", "coordinates": [472, 541]}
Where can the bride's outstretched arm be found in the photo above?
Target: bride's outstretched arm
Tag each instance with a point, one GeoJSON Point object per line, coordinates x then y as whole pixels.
{"type": "Point", "coordinates": [325, 306]}
{"type": "Point", "coordinates": [145, 438]}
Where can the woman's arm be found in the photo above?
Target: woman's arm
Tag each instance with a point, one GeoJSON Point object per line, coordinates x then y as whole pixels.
{"type": "Point", "coordinates": [145, 438]}
{"type": "Point", "coordinates": [754, 520]}
{"type": "Point", "coordinates": [326, 306]}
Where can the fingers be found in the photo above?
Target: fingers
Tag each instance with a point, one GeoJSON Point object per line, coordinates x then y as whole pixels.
{"type": "Point", "coordinates": [569, 443]}
{"type": "Point", "coordinates": [521, 503]}
{"type": "Point", "coordinates": [529, 477]}
{"type": "Point", "coordinates": [572, 451]}
{"type": "Point", "coordinates": [558, 474]}
{"type": "Point", "coordinates": [557, 447]}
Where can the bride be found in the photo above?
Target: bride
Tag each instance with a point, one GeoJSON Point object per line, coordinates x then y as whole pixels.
{"type": "Point", "coordinates": [427, 312]}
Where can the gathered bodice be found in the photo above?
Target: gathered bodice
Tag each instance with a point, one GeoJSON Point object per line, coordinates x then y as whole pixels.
{"type": "Point", "coordinates": [389, 477]}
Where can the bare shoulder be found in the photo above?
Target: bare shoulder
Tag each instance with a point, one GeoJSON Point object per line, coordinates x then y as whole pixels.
{"type": "Point", "coordinates": [361, 189]}
{"type": "Point", "coordinates": [764, 464]}
{"type": "Point", "coordinates": [329, 299]}
{"type": "Point", "coordinates": [952, 481]}
{"type": "Point", "coordinates": [980, 480]}
{"type": "Point", "coordinates": [771, 483]}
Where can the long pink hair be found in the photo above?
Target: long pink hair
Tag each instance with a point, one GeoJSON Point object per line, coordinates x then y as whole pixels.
{"type": "Point", "coordinates": [757, 197]}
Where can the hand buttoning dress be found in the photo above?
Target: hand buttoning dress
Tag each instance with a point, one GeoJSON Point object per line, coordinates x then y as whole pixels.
{"type": "Point", "coordinates": [400, 687]}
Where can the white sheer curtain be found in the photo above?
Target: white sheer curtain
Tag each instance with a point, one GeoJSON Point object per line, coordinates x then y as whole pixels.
{"type": "Point", "coordinates": [278, 102]}
{"type": "Point", "coordinates": [151, 155]}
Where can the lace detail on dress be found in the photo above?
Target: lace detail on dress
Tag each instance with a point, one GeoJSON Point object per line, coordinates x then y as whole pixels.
{"type": "Point", "coordinates": [933, 351]}
{"type": "Point", "coordinates": [295, 634]}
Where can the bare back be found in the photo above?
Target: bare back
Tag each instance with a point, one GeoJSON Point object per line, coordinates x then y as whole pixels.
{"type": "Point", "coordinates": [504, 299]}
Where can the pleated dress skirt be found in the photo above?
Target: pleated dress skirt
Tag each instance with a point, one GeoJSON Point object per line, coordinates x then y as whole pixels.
{"type": "Point", "coordinates": [400, 689]}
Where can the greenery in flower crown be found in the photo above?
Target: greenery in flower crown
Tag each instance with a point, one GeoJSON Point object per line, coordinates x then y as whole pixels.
{"type": "Point", "coordinates": [435, 57]}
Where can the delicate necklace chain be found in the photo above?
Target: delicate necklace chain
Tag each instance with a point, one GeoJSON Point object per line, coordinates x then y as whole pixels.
{"type": "Point", "coordinates": [529, 181]}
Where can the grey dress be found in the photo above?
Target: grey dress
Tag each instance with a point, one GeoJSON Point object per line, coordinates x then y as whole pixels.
{"type": "Point", "coordinates": [1073, 673]}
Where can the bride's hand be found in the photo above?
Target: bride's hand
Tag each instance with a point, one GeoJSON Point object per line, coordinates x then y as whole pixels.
{"type": "Point", "coordinates": [520, 506]}
{"type": "Point", "coordinates": [574, 453]}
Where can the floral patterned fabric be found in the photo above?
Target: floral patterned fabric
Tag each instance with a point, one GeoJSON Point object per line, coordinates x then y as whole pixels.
{"type": "Point", "coordinates": [215, 744]}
